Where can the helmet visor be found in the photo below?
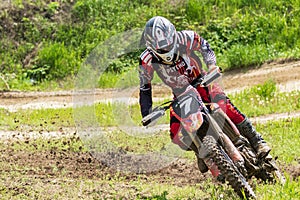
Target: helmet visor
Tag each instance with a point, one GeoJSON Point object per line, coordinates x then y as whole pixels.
{"type": "Point", "coordinates": [166, 49]}
{"type": "Point", "coordinates": [167, 56]}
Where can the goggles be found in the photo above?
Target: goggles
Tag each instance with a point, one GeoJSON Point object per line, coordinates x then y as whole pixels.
{"type": "Point", "coordinates": [167, 53]}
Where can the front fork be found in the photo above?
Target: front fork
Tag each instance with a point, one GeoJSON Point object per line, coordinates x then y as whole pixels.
{"type": "Point", "coordinates": [203, 154]}
{"type": "Point", "coordinates": [229, 147]}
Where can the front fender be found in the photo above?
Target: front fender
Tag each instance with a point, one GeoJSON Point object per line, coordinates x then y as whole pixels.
{"type": "Point", "coordinates": [193, 122]}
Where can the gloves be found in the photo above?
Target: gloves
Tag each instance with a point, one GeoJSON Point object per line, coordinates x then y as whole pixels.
{"type": "Point", "coordinates": [213, 67]}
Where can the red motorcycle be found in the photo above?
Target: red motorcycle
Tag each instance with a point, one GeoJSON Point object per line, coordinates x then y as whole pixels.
{"type": "Point", "coordinates": [223, 149]}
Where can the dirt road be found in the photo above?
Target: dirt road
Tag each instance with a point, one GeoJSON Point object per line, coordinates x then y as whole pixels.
{"type": "Point", "coordinates": [286, 76]}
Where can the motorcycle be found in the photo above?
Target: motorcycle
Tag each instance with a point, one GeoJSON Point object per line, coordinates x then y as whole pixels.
{"type": "Point", "coordinates": [220, 145]}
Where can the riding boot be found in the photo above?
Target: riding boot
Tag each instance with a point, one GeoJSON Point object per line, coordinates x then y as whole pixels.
{"type": "Point", "coordinates": [257, 142]}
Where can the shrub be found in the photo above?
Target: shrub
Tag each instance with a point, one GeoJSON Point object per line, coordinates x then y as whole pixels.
{"type": "Point", "coordinates": [55, 61]}
{"type": "Point", "coordinates": [239, 56]}
{"type": "Point", "coordinates": [266, 90]}
{"type": "Point", "coordinates": [241, 32]}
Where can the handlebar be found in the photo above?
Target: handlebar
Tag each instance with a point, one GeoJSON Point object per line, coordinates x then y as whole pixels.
{"type": "Point", "coordinates": [156, 113]}
{"type": "Point", "coordinates": [208, 78]}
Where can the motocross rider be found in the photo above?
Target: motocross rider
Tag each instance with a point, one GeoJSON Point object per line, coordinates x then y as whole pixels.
{"type": "Point", "coordinates": [173, 56]}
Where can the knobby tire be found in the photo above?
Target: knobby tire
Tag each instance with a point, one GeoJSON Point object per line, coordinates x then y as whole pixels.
{"type": "Point", "coordinates": [234, 178]}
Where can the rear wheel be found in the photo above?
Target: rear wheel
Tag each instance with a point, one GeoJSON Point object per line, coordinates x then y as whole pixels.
{"type": "Point", "coordinates": [270, 172]}
{"type": "Point", "coordinates": [227, 168]}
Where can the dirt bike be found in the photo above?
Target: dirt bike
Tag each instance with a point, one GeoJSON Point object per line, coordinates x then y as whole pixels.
{"type": "Point", "coordinates": [223, 149]}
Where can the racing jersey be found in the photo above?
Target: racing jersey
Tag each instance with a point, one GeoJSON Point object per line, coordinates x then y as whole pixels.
{"type": "Point", "coordinates": [181, 72]}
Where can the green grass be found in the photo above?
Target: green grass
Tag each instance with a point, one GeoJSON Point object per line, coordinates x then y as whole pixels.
{"type": "Point", "coordinates": [259, 100]}
{"type": "Point", "coordinates": [17, 183]}
{"type": "Point", "coordinates": [277, 192]}
{"type": "Point", "coordinates": [126, 79]}
{"type": "Point", "coordinates": [70, 143]}
{"type": "Point", "coordinates": [15, 178]}
{"type": "Point", "coordinates": [109, 115]}
{"type": "Point", "coordinates": [44, 119]}
{"type": "Point", "coordinates": [112, 188]}
{"type": "Point", "coordinates": [265, 99]}
{"type": "Point", "coordinates": [284, 137]}
{"type": "Point", "coordinates": [48, 41]}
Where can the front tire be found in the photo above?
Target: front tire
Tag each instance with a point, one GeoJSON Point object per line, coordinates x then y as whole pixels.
{"type": "Point", "coordinates": [227, 168]}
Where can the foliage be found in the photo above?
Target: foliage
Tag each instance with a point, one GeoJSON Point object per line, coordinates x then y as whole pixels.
{"type": "Point", "coordinates": [266, 90]}
{"type": "Point", "coordinates": [240, 28]}
{"type": "Point", "coordinates": [48, 40]}
{"type": "Point", "coordinates": [264, 99]}
{"type": "Point", "coordinates": [55, 61]}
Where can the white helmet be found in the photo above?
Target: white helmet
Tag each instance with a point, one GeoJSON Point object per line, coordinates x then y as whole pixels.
{"type": "Point", "coordinates": [161, 38]}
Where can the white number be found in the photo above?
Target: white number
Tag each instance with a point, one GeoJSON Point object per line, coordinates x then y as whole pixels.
{"type": "Point", "coordinates": [186, 104]}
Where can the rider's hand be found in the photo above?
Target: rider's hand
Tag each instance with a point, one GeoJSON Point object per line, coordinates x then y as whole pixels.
{"type": "Point", "coordinates": [213, 67]}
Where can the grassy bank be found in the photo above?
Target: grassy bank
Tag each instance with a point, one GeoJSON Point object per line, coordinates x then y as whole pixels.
{"type": "Point", "coordinates": [43, 42]}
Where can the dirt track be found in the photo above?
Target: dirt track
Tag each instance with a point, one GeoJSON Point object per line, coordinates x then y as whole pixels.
{"type": "Point", "coordinates": [54, 164]}
{"type": "Point", "coordinates": [286, 76]}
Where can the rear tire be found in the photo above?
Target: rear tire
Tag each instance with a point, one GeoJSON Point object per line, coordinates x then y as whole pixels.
{"type": "Point", "coordinates": [270, 172]}
{"type": "Point", "coordinates": [227, 168]}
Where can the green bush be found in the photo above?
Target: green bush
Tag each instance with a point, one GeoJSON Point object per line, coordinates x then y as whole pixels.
{"type": "Point", "coordinates": [40, 38]}
{"type": "Point", "coordinates": [266, 90]}
{"type": "Point", "coordinates": [248, 55]}
{"type": "Point", "coordinates": [55, 61]}
{"type": "Point", "coordinates": [265, 29]}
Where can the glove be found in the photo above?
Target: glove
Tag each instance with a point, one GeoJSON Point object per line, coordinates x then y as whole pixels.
{"type": "Point", "coordinates": [213, 67]}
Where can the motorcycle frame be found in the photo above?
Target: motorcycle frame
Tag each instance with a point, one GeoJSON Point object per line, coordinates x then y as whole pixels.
{"type": "Point", "coordinates": [218, 134]}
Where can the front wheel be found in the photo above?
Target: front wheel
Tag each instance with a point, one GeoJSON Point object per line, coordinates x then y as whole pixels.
{"type": "Point", "coordinates": [227, 168]}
